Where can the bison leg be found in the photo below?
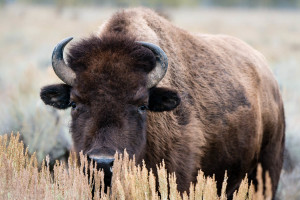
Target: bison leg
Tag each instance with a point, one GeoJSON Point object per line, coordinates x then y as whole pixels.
{"type": "Point", "coordinates": [271, 160]}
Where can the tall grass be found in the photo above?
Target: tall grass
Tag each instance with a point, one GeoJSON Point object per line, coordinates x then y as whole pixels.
{"type": "Point", "coordinates": [21, 178]}
{"type": "Point", "coordinates": [44, 129]}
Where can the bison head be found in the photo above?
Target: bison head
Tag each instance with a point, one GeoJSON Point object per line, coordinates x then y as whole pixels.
{"type": "Point", "coordinates": [110, 85]}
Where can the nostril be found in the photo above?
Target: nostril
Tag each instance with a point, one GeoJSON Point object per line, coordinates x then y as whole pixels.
{"type": "Point", "coordinates": [89, 159]}
{"type": "Point", "coordinates": [112, 163]}
{"type": "Point", "coordinates": [104, 163]}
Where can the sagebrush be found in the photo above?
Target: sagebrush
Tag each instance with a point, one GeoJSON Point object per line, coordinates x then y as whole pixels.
{"type": "Point", "coordinates": [22, 178]}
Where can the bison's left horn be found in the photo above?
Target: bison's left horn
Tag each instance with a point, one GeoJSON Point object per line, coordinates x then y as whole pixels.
{"type": "Point", "coordinates": [62, 70]}
{"type": "Point", "coordinates": [157, 74]}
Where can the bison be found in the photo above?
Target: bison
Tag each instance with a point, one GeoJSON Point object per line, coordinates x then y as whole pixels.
{"type": "Point", "coordinates": [206, 102]}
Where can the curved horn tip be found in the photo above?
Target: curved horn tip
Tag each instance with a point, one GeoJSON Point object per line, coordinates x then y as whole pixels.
{"type": "Point", "coordinates": [157, 74]}
{"type": "Point", "coordinates": [59, 66]}
{"type": "Point", "coordinates": [62, 44]}
{"type": "Point", "coordinates": [66, 40]}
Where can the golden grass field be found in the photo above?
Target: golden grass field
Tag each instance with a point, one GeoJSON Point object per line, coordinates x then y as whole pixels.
{"type": "Point", "coordinates": [22, 178]}
{"type": "Point", "coordinates": [29, 33]}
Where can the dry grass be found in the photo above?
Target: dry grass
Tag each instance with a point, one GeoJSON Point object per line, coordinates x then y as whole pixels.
{"type": "Point", "coordinates": [21, 178]}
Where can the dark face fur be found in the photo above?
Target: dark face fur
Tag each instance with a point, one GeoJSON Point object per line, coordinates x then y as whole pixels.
{"type": "Point", "coordinates": [110, 99]}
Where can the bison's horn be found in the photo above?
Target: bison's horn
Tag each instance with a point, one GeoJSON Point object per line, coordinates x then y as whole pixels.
{"type": "Point", "coordinates": [157, 74]}
{"type": "Point", "coordinates": [65, 73]}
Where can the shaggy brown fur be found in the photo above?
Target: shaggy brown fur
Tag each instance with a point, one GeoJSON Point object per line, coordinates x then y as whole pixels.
{"type": "Point", "coordinates": [230, 115]}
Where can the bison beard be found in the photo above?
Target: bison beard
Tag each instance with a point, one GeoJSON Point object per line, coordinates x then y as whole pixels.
{"type": "Point", "coordinates": [217, 108]}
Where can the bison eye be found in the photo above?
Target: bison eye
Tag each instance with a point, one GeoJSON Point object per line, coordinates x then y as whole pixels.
{"type": "Point", "coordinates": [73, 104]}
{"type": "Point", "coordinates": [142, 109]}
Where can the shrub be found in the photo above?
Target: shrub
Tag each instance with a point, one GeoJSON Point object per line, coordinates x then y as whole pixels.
{"type": "Point", "coordinates": [21, 178]}
{"type": "Point", "coordinates": [44, 129]}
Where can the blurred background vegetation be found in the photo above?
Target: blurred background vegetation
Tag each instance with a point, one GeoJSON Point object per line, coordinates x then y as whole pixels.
{"type": "Point", "coordinates": [166, 3]}
{"type": "Point", "coordinates": [29, 29]}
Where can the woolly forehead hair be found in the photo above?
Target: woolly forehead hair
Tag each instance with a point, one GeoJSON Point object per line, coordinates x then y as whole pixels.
{"type": "Point", "coordinates": [110, 49]}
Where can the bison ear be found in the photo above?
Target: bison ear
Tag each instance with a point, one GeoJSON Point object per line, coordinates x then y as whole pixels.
{"type": "Point", "coordinates": [57, 95]}
{"type": "Point", "coordinates": [163, 99]}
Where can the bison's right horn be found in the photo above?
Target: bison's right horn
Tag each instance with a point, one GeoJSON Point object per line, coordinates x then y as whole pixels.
{"type": "Point", "coordinates": [65, 73]}
{"type": "Point", "coordinates": [157, 74]}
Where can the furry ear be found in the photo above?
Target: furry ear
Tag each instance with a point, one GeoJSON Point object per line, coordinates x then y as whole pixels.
{"type": "Point", "coordinates": [57, 95]}
{"type": "Point", "coordinates": [163, 99]}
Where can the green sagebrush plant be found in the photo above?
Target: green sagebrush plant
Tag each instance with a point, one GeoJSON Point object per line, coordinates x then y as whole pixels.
{"type": "Point", "coordinates": [22, 178]}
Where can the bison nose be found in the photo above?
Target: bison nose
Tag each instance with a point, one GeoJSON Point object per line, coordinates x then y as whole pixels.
{"type": "Point", "coordinates": [104, 163]}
